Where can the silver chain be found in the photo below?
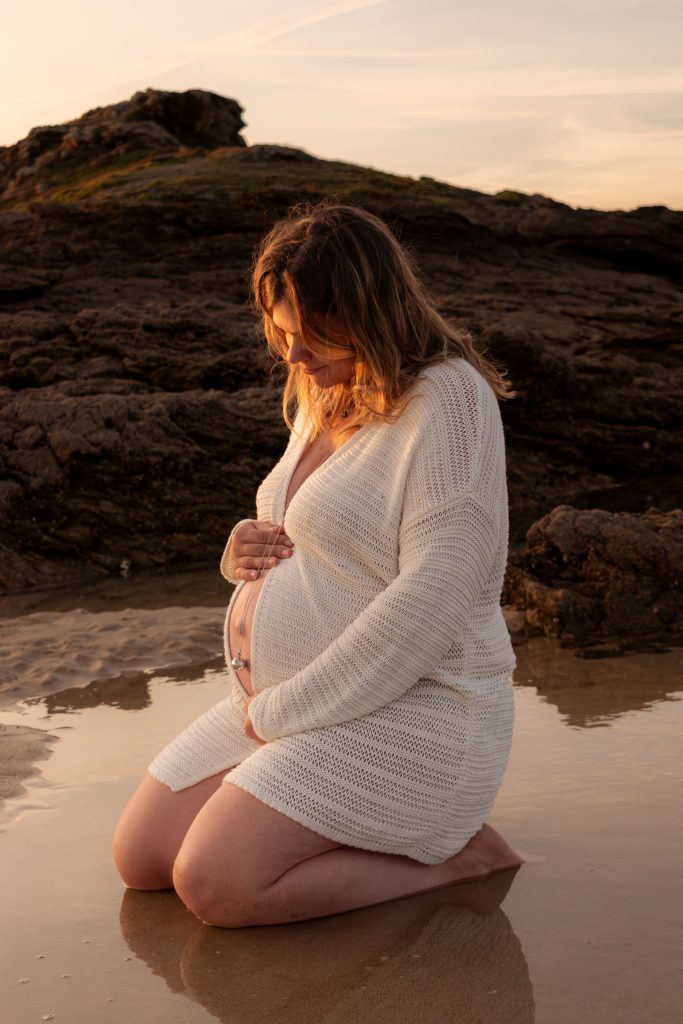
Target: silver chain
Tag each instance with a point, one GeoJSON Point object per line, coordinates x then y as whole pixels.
{"type": "Point", "coordinates": [237, 661]}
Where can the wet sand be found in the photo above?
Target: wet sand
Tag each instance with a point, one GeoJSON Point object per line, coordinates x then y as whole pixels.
{"type": "Point", "coordinates": [20, 748]}
{"type": "Point", "coordinates": [587, 932]}
{"type": "Point", "coordinates": [53, 640]}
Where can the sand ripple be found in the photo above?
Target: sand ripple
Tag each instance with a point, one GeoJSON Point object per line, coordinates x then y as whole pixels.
{"type": "Point", "coordinates": [49, 651]}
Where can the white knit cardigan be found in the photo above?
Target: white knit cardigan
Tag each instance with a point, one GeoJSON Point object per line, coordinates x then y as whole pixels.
{"type": "Point", "coordinates": [401, 540]}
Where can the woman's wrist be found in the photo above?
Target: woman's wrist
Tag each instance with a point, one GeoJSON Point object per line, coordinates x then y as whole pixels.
{"type": "Point", "coordinates": [248, 727]}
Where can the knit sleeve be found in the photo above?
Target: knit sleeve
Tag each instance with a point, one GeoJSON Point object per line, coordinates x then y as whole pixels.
{"type": "Point", "coordinates": [447, 547]}
{"type": "Point", "coordinates": [446, 556]}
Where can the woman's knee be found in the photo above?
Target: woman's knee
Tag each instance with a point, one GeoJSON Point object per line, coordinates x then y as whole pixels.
{"type": "Point", "coordinates": [223, 905]}
{"type": "Point", "coordinates": [233, 855]}
{"type": "Point", "coordinates": [138, 858]}
{"type": "Point", "coordinates": [153, 827]}
{"type": "Point", "coordinates": [141, 848]}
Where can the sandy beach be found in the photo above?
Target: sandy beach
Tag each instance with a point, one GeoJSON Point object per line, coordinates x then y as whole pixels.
{"type": "Point", "coordinates": [96, 681]}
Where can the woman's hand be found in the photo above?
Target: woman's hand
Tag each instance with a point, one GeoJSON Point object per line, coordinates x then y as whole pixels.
{"type": "Point", "coordinates": [248, 728]}
{"type": "Point", "coordinates": [252, 541]}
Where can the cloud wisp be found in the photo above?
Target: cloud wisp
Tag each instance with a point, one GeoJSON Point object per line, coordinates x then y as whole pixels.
{"type": "Point", "coordinates": [257, 35]}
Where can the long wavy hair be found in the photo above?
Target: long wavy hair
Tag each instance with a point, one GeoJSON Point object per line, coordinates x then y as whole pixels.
{"type": "Point", "coordinates": [356, 289]}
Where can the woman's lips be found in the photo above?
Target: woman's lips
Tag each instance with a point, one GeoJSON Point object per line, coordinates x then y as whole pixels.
{"type": "Point", "coordinates": [312, 370]}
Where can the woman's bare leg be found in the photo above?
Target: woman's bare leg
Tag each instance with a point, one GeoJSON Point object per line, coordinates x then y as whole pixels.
{"type": "Point", "coordinates": [152, 828]}
{"type": "Point", "coordinates": [243, 863]}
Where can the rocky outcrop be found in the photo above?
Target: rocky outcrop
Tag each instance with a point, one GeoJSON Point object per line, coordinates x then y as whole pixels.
{"type": "Point", "coordinates": [268, 151]}
{"type": "Point", "coordinates": [595, 579]}
{"type": "Point", "coordinates": [645, 240]}
{"type": "Point", "coordinates": [103, 478]}
{"type": "Point", "coordinates": [151, 121]}
{"type": "Point", "coordinates": [137, 410]}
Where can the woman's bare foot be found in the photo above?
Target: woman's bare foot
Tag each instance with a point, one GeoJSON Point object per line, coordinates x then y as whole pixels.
{"type": "Point", "coordinates": [485, 853]}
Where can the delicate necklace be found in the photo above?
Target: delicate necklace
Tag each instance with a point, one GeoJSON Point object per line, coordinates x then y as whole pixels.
{"type": "Point", "coordinates": [237, 662]}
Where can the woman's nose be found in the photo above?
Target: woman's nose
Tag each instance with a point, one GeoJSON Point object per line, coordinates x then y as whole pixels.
{"type": "Point", "coordinates": [297, 351]}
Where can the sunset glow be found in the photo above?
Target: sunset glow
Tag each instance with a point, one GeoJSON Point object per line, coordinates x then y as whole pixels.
{"type": "Point", "coordinates": [578, 99]}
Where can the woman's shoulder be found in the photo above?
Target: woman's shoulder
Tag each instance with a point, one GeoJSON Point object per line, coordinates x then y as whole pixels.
{"type": "Point", "coordinates": [451, 430]}
{"type": "Point", "coordinates": [452, 389]}
{"type": "Point", "coordinates": [455, 374]}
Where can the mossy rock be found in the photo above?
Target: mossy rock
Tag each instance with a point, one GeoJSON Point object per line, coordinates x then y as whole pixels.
{"type": "Point", "coordinates": [508, 195]}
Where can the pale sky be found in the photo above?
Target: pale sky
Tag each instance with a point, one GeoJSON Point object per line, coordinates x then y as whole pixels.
{"type": "Point", "coordinates": [581, 100]}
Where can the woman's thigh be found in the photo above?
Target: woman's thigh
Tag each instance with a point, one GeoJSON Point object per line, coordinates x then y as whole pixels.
{"type": "Point", "coordinates": [236, 847]}
{"type": "Point", "coordinates": [152, 828]}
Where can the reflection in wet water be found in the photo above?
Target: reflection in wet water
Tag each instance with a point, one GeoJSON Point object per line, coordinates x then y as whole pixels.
{"type": "Point", "coordinates": [594, 917]}
{"type": "Point", "coordinates": [586, 693]}
{"type": "Point", "coordinates": [128, 692]}
{"type": "Point", "coordinates": [593, 693]}
{"type": "Point", "coordinates": [446, 955]}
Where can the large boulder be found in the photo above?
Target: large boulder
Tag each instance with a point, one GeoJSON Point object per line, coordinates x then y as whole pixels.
{"type": "Point", "coordinates": [150, 121]}
{"type": "Point", "coordinates": [99, 478]}
{"type": "Point", "coordinates": [588, 576]}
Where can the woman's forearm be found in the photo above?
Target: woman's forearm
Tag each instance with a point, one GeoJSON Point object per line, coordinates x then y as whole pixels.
{"type": "Point", "coordinates": [401, 635]}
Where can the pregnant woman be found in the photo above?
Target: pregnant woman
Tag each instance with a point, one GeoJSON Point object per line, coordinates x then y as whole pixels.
{"type": "Point", "coordinates": [359, 751]}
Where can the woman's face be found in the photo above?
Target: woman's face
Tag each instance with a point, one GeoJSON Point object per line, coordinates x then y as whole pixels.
{"type": "Point", "coordinates": [326, 367]}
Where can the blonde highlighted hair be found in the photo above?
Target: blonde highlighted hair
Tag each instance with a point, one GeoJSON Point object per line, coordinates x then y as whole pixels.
{"type": "Point", "coordinates": [353, 285]}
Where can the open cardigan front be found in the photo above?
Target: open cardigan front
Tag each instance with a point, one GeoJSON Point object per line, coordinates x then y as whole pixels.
{"type": "Point", "coordinates": [380, 658]}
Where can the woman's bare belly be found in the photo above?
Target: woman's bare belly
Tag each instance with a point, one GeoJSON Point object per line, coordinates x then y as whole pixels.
{"type": "Point", "coordinates": [242, 615]}
{"type": "Point", "coordinates": [239, 631]}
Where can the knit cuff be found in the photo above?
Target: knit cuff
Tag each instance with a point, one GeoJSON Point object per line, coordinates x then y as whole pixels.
{"type": "Point", "coordinates": [257, 714]}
